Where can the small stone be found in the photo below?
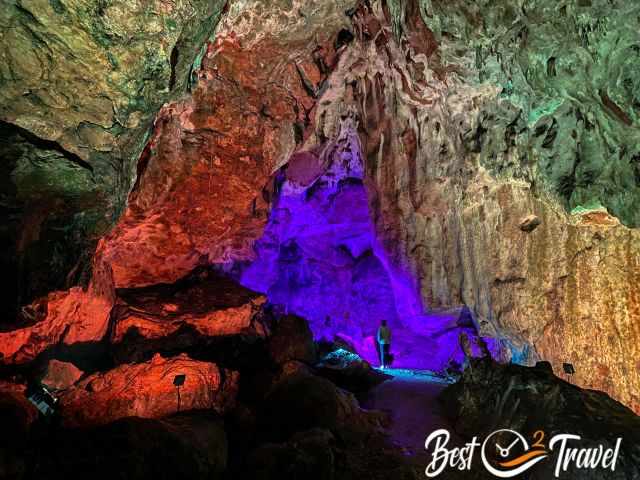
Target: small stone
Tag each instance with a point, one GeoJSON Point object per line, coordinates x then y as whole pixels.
{"type": "Point", "coordinates": [530, 223]}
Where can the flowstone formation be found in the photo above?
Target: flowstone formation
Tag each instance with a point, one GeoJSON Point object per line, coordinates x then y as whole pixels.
{"type": "Point", "coordinates": [319, 257]}
{"type": "Point", "coordinates": [471, 145]}
{"type": "Point", "coordinates": [319, 244]}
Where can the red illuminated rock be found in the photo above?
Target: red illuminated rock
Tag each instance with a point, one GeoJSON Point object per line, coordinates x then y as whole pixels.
{"type": "Point", "coordinates": [69, 317]}
{"type": "Point", "coordinates": [199, 312]}
{"type": "Point", "coordinates": [199, 193]}
{"type": "Point", "coordinates": [147, 390]}
{"type": "Point", "coordinates": [61, 375]}
{"type": "Point", "coordinates": [218, 323]}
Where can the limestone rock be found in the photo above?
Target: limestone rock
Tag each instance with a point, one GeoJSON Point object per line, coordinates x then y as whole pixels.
{"type": "Point", "coordinates": [291, 339]}
{"type": "Point", "coordinates": [81, 83]}
{"type": "Point", "coordinates": [458, 150]}
{"type": "Point", "coordinates": [204, 314]}
{"type": "Point", "coordinates": [61, 375]}
{"type": "Point", "coordinates": [72, 317]}
{"type": "Point", "coordinates": [349, 371]}
{"type": "Point", "coordinates": [303, 401]}
{"type": "Point", "coordinates": [199, 194]}
{"type": "Point", "coordinates": [147, 390]}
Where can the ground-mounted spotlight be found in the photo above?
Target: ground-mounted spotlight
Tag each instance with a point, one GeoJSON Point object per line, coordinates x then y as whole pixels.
{"type": "Point", "coordinates": [42, 399]}
{"type": "Point", "coordinates": [568, 369]}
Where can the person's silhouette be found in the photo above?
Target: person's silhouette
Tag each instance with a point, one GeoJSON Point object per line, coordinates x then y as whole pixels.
{"type": "Point", "coordinates": [383, 338]}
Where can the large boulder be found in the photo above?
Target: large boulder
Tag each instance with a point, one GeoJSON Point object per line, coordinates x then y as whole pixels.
{"type": "Point", "coordinates": [492, 396]}
{"type": "Point", "coordinates": [291, 339]}
{"type": "Point", "coordinates": [148, 390]}
{"type": "Point", "coordinates": [303, 401]}
{"type": "Point", "coordinates": [349, 371]}
{"type": "Point", "coordinates": [60, 375]}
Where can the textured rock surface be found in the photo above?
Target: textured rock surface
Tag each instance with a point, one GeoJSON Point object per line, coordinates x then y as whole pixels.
{"type": "Point", "coordinates": [490, 397]}
{"type": "Point", "coordinates": [191, 315]}
{"type": "Point", "coordinates": [60, 375]}
{"type": "Point", "coordinates": [302, 401]}
{"type": "Point", "coordinates": [291, 339]}
{"type": "Point", "coordinates": [471, 117]}
{"type": "Point", "coordinates": [147, 390]}
{"type": "Point", "coordinates": [199, 195]}
{"type": "Point", "coordinates": [81, 82]}
{"type": "Point", "coordinates": [475, 127]}
{"type": "Point", "coordinates": [76, 316]}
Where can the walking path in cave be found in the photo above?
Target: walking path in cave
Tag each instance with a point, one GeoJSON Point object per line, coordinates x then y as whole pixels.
{"type": "Point", "coordinates": [410, 397]}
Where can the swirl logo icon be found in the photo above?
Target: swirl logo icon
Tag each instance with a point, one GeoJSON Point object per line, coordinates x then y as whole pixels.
{"type": "Point", "coordinates": [505, 453]}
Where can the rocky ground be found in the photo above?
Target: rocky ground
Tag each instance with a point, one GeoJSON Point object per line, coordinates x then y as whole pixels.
{"type": "Point", "coordinates": [257, 400]}
{"type": "Point", "coordinates": [297, 409]}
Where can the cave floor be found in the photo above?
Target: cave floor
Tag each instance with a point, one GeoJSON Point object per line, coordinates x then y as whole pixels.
{"type": "Point", "coordinates": [410, 398]}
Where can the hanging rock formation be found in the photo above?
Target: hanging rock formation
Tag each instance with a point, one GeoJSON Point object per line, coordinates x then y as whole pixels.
{"type": "Point", "coordinates": [465, 133]}
{"type": "Point", "coordinates": [199, 195]}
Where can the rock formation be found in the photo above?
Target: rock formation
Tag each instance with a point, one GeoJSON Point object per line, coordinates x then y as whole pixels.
{"type": "Point", "coordinates": [463, 137]}
{"type": "Point", "coordinates": [200, 188]}
{"type": "Point", "coordinates": [490, 397]}
{"type": "Point", "coordinates": [82, 82]}
{"type": "Point", "coordinates": [147, 390]}
{"type": "Point", "coordinates": [200, 193]}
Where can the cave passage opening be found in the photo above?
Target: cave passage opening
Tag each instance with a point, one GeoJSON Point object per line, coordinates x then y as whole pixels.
{"type": "Point", "coordinates": [319, 258]}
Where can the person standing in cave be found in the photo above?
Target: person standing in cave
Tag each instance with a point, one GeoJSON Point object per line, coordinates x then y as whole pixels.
{"type": "Point", "coordinates": [383, 338]}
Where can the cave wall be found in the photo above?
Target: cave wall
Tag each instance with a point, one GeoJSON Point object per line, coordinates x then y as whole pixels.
{"type": "Point", "coordinates": [317, 256]}
{"type": "Point", "coordinates": [471, 117]}
{"type": "Point", "coordinates": [81, 83]}
{"type": "Point", "coordinates": [202, 191]}
{"type": "Point", "coordinates": [466, 133]}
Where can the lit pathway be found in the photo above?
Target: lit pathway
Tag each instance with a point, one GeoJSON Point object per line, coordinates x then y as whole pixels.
{"type": "Point", "coordinates": [411, 399]}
